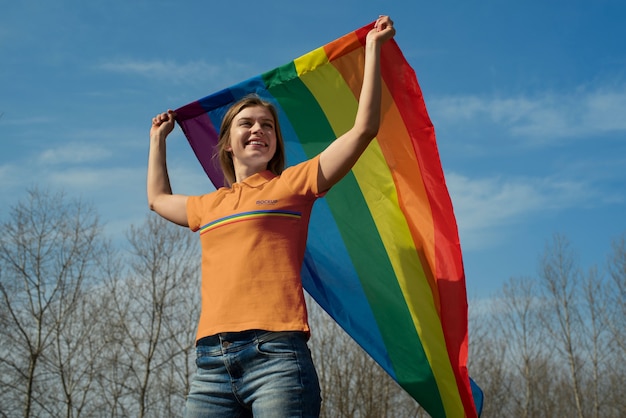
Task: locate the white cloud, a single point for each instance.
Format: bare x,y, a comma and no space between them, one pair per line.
169,70
484,205
542,118
75,153
606,109
84,179
117,193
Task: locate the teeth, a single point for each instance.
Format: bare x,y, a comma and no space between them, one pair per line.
256,143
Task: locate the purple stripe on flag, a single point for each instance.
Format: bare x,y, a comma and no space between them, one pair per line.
203,139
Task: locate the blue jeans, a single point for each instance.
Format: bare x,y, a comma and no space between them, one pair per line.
254,373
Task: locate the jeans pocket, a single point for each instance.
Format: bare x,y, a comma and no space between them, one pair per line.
284,344
208,357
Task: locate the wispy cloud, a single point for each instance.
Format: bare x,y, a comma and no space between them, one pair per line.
169,70
541,118
76,153
484,205
118,192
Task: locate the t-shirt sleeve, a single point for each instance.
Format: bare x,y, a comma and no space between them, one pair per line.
302,178
194,204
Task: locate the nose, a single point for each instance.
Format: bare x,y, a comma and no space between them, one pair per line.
257,128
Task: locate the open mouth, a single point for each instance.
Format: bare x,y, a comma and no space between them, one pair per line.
256,143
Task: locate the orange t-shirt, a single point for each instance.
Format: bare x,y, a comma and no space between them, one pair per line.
253,238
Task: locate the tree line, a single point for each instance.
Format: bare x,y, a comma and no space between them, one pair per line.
554,345
89,328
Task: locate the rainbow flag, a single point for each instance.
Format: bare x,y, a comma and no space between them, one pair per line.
383,256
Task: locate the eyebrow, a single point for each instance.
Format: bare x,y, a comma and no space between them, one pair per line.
248,118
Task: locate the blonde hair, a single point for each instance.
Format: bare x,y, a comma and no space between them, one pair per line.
276,165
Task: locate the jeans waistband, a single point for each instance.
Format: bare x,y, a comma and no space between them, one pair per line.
217,340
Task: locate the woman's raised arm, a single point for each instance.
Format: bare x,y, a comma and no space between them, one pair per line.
160,198
341,155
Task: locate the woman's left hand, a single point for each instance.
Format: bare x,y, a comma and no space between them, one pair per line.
383,30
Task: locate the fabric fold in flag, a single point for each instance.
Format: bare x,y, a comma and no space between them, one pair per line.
383,255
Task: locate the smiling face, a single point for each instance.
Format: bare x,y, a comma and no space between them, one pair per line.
225,152
252,140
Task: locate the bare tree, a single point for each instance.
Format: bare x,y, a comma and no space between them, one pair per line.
560,277
615,322
74,359
596,295
47,252
486,360
352,383
616,319
568,363
89,331
518,322
154,313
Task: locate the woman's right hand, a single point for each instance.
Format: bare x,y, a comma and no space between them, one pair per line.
163,123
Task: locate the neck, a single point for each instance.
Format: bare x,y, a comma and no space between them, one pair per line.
243,172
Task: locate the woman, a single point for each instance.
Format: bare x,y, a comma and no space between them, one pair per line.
252,353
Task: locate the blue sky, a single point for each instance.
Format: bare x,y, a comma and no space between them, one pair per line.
528,100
